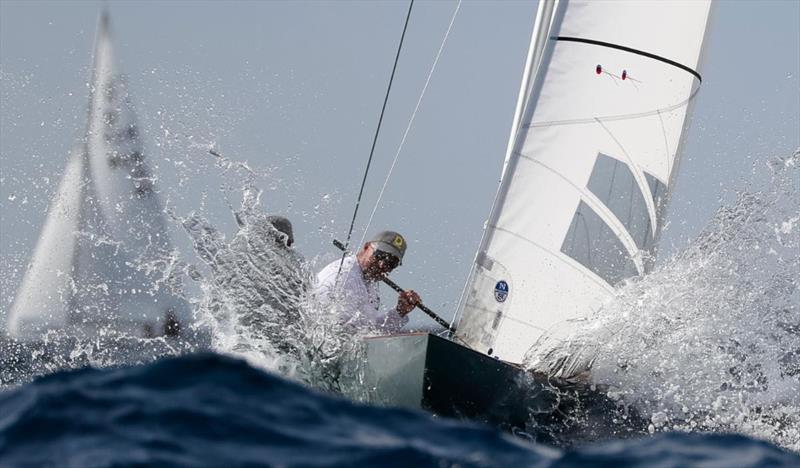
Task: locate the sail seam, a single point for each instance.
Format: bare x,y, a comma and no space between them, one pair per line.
606,215
611,118
631,50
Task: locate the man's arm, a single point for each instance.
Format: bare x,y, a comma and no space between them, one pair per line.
393,321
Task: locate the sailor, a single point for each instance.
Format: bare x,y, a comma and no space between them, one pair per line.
271,279
353,292
285,235
282,232
258,279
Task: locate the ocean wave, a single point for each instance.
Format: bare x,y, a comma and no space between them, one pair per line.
212,410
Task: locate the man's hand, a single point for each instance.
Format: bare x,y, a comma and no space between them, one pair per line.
406,302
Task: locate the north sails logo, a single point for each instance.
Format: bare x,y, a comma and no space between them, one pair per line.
501,291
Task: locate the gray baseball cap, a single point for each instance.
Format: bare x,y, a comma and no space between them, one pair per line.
390,242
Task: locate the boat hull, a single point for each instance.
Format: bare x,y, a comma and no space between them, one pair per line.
428,372
424,371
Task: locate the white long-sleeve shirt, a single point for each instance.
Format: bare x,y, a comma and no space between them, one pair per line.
357,301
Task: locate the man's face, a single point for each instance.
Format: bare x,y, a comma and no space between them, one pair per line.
380,263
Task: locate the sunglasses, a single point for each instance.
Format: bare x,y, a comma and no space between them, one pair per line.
389,260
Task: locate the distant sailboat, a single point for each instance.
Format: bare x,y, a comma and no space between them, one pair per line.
102,261
591,160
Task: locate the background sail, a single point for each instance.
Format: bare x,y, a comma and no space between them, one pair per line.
125,193
103,260
43,298
581,203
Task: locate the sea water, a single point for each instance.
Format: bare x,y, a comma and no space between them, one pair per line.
706,348
211,410
709,341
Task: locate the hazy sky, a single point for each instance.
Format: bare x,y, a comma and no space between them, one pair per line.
295,89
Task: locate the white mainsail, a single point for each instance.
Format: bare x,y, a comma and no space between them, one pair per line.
102,259
588,170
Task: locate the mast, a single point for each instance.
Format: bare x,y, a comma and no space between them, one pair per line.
581,201
479,325
541,29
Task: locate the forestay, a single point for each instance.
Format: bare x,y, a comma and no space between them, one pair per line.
589,168
102,259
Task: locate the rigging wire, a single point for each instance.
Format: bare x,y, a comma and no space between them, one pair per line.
375,140
410,122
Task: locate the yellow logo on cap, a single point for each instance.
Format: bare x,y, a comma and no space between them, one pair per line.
398,242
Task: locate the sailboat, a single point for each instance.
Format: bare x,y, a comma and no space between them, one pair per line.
590,165
102,262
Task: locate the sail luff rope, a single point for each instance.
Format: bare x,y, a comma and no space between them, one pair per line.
374,141
410,123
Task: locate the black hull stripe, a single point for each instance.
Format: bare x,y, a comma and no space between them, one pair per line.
633,51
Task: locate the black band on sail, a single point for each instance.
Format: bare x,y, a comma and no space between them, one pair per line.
633,51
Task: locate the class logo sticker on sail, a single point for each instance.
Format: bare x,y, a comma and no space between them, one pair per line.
501,291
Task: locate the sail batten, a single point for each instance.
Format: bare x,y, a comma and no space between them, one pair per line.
588,173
